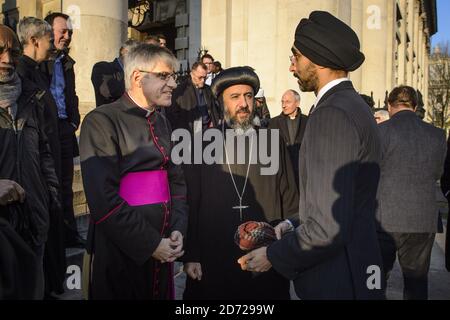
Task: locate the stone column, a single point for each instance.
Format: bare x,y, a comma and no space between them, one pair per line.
100,27
195,29
357,22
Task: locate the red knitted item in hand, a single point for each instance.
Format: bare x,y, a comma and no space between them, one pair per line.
252,235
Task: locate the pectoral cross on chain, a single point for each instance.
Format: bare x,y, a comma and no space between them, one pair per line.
240,207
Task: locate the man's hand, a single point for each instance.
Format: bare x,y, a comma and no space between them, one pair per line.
165,251
177,239
10,192
282,228
177,244
193,270
55,203
255,261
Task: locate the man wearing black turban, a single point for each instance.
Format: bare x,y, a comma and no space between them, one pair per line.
333,253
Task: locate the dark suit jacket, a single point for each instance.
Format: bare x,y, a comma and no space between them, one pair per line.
183,111
445,187
108,81
335,243
280,123
73,114
413,160
29,69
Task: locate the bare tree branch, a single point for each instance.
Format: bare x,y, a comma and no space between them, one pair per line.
439,86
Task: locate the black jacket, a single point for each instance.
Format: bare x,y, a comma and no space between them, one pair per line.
183,111
280,123
108,81
331,251
73,113
445,186
25,158
18,265
28,69
55,255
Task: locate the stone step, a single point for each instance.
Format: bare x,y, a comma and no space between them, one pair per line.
79,196
81,210
77,179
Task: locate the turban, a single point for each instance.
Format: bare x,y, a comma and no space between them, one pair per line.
328,42
252,235
233,76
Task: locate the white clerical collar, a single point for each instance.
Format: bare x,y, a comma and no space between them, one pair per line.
327,88
135,102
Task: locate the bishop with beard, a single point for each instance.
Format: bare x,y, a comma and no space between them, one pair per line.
224,195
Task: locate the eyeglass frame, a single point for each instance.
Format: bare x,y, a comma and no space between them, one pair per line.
164,76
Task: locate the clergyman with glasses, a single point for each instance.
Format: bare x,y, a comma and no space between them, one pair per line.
136,195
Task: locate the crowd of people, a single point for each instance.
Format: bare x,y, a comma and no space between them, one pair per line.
352,190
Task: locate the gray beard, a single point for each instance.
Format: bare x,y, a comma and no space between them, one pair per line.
7,77
242,127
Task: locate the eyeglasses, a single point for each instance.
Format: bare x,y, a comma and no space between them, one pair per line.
15,52
164,76
293,59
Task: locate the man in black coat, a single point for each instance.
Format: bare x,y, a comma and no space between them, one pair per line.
333,252
61,79
193,106
108,77
413,154
445,187
17,261
24,154
36,37
292,124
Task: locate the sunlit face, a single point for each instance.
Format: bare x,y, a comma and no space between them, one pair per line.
238,104
156,89
209,64
198,77
62,31
305,71
44,47
288,103
9,53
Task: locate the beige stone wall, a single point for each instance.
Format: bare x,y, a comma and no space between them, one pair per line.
100,27
260,33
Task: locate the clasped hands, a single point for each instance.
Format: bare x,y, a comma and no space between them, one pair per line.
169,249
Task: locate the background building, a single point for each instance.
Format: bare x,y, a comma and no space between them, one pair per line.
439,87
395,36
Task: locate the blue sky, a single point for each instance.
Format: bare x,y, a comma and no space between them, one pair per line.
443,34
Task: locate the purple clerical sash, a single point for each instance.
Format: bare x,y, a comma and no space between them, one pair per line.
145,187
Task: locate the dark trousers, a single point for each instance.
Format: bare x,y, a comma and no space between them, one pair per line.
66,132
39,290
414,255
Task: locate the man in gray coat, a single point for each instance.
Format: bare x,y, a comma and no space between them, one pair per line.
407,214
333,252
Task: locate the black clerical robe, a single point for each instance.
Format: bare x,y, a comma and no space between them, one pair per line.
213,223
118,139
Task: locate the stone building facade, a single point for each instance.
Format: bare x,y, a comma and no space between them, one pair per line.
395,36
